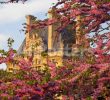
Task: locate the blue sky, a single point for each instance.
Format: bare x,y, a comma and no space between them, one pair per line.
12,16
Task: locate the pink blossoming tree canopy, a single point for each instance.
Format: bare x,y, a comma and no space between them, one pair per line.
89,10
85,79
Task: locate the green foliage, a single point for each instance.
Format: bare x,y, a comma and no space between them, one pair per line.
6,76
89,98
31,82
3,53
20,75
10,42
86,74
102,1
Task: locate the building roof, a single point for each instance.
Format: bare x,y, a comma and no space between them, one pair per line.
20,50
67,36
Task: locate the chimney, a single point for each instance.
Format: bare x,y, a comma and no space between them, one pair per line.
50,31
52,28
28,22
78,30
80,37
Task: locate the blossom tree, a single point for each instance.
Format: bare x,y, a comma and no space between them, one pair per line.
85,79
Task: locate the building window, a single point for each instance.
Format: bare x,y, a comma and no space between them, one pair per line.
10,69
53,60
39,61
36,61
69,51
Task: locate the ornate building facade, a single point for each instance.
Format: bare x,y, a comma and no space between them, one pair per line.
47,44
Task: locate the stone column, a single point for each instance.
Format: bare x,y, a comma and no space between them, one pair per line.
50,31
28,22
78,30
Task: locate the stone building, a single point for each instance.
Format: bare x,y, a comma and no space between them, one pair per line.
47,44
